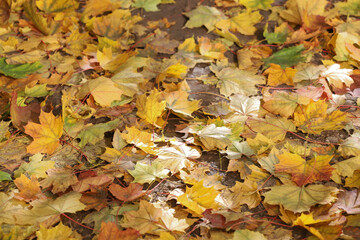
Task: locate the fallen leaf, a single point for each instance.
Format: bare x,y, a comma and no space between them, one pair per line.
145,173
278,76
198,198
145,219
130,193
300,199
302,171
46,135
60,232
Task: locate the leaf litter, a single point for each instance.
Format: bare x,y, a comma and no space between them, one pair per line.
164,119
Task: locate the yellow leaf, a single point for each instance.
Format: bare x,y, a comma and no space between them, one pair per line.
103,89
260,143
242,23
29,188
283,103
314,119
140,139
179,103
60,232
53,6
46,135
307,219
198,198
256,4
150,107
177,70
278,76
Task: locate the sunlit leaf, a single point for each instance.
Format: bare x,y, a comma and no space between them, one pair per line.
300,199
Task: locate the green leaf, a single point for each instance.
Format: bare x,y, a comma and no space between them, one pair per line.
18,70
287,57
278,36
300,199
147,5
4,176
39,90
95,133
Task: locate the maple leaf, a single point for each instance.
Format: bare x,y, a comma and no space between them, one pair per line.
337,76
145,219
140,139
350,146
279,35
60,232
35,167
147,5
245,105
240,194
145,173
150,107
242,22
314,118
278,76
176,157
49,209
271,127
85,184
59,179
302,171
46,135
179,103
307,219
94,133
198,198
300,199
29,188
234,80
54,6
283,103
130,193
212,136
204,15
210,49
349,201
109,230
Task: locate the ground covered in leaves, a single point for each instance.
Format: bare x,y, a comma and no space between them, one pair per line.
164,119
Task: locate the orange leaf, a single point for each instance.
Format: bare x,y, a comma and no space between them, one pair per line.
46,134
278,76
29,188
110,231
132,192
302,171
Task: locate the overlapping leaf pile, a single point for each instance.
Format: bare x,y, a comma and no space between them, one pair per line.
103,135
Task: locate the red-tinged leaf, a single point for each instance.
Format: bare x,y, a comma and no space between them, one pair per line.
109,231
96,199
20,116
302,171
127,194
216,220
85,184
